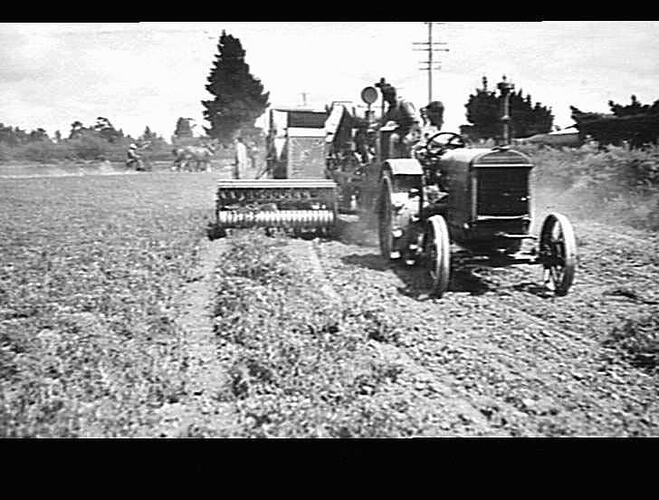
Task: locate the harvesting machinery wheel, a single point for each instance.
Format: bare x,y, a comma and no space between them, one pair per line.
558,253
438,251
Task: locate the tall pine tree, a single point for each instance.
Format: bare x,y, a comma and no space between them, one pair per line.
239,98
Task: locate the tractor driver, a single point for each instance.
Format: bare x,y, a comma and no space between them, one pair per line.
403,115
433,115
433,120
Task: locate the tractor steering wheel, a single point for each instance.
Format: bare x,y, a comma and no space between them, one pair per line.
455,141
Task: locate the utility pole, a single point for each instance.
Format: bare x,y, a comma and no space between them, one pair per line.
430,47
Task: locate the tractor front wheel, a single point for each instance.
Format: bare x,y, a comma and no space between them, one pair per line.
558,253
438,251
385,219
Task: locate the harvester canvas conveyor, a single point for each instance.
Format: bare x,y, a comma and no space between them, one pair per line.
304,204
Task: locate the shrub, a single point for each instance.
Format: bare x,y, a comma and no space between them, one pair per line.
6,153
88,146
42,151
608,171
611,183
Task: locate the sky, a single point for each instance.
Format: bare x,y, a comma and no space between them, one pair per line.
150,74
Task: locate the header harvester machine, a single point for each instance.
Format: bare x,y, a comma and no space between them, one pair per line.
476,199
296,195
316,168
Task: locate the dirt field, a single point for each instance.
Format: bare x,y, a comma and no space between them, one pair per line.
497,356
512,360
304,338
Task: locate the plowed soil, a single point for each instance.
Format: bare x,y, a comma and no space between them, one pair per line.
499,355
529,363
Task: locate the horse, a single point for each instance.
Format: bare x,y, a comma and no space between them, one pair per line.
199,155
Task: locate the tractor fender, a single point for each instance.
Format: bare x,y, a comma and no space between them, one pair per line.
403,166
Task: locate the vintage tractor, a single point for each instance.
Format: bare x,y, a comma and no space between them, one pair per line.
476,199
295,195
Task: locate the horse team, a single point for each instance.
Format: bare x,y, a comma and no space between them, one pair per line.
186,158
193,158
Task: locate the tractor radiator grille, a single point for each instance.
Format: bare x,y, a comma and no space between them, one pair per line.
502,191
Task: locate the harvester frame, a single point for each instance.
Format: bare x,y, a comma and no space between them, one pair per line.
296,195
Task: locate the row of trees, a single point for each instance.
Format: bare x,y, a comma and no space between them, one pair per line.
14,136
635,124
100,140
238,99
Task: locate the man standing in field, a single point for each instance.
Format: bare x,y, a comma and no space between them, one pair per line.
133,156
253,155
241,160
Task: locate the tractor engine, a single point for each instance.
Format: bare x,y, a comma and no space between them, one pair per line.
483,194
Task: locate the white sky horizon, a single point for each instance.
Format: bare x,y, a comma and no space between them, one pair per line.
150,74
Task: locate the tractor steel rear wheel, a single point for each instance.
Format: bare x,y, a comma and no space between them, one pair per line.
438,252
385,219
558,253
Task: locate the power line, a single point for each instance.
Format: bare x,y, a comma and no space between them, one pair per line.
430,47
